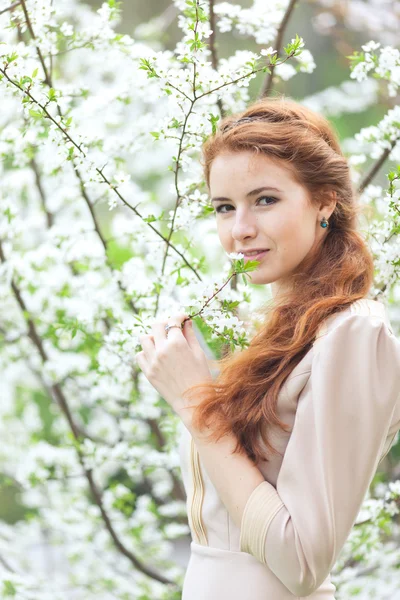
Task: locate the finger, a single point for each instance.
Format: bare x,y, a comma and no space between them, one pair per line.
190,335
147,342
159,334
141,361
176,332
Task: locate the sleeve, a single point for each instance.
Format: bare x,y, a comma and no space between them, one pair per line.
341,424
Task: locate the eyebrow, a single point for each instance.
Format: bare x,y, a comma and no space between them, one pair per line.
252,193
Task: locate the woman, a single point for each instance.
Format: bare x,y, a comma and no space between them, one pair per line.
279,450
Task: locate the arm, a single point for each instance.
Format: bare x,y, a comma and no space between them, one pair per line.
342,421
234,476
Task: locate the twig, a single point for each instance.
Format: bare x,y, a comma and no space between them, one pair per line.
179,493
6,565
58,393
99,171
183,133
368,177
214,58
10,8
38,50
38,181
267,84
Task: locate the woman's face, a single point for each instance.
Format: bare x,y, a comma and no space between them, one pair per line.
281,219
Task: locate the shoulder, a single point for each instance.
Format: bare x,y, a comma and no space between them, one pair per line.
370,308
363,315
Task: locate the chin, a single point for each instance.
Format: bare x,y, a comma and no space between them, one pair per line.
259,278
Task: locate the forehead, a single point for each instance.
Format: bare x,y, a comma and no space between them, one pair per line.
241,168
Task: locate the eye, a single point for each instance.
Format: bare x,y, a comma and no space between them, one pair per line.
221,206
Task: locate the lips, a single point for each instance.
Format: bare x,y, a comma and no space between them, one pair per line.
258,256
253,251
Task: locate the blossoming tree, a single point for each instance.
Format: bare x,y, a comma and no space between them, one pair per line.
105,226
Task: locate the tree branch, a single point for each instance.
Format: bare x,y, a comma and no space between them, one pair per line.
3,560
178,492
58,393
214,58
368,177
193,101
10,8
47,78
267,84
99,171
38,181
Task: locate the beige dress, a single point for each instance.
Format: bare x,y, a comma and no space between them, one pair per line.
343,399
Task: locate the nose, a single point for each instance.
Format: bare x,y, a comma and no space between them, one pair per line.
244,226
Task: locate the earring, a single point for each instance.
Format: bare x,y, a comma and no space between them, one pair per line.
324,222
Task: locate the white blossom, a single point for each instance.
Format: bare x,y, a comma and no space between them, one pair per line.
94,168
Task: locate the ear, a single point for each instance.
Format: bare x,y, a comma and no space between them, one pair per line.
330,203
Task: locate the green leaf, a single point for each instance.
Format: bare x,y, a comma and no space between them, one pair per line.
8,588
149,219
175,123
179,279
11,57
35,113
214,120
52,95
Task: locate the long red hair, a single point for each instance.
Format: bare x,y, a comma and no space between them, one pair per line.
242,398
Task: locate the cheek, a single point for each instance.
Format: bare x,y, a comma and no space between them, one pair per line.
294,234
280,228
223,232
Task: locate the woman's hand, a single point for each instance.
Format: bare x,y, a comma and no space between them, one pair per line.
173,364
